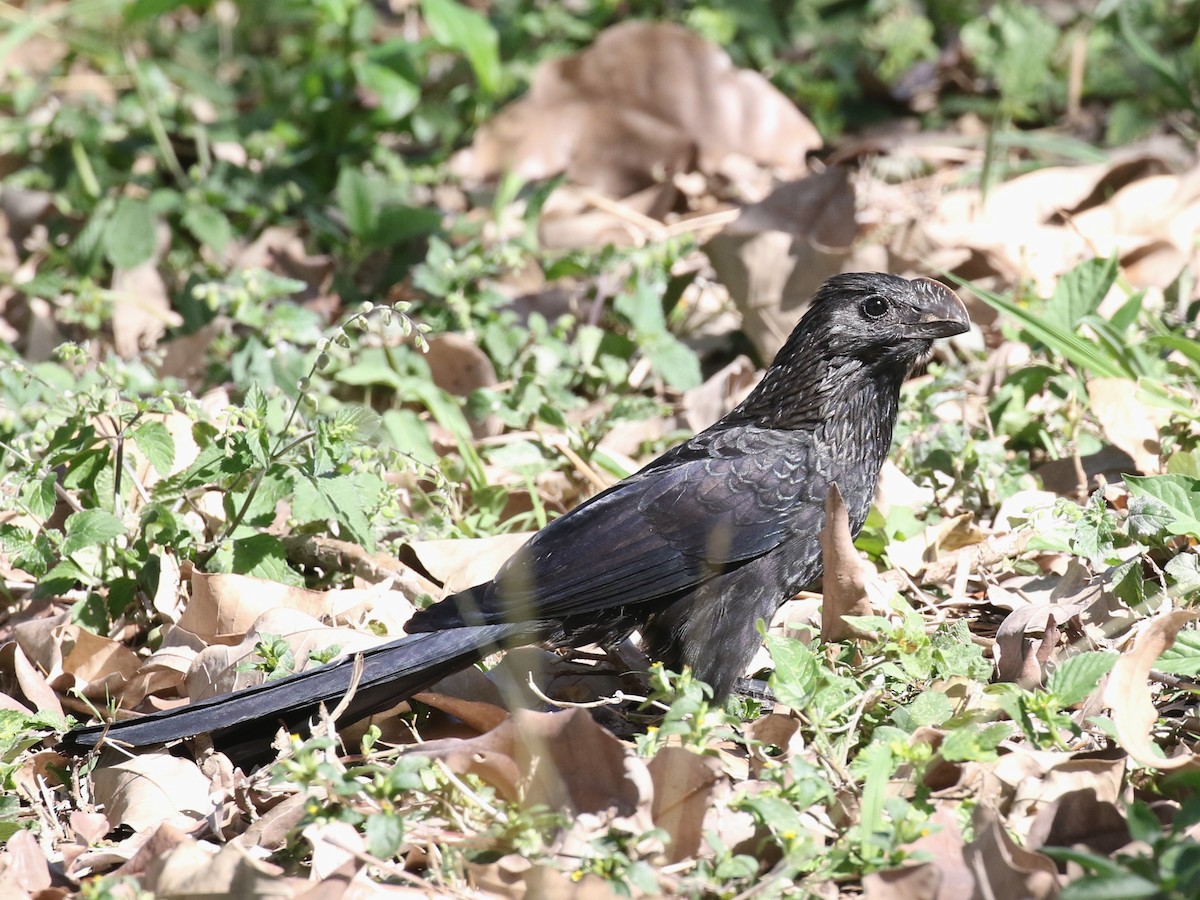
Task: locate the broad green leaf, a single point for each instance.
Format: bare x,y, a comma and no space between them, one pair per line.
385,832
930,708
396,94
129,239
1078,676
460,28
1179,494
259,555
90,528
358,202
38,496
155,441
676,362
209,226
797,673
1079,292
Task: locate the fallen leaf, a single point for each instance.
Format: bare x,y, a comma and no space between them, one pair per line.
149,789
1128,691
1128,421
844,584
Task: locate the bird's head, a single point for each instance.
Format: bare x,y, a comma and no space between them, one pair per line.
882,319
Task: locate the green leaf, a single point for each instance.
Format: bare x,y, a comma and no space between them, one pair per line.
129,239
155,441
1179,494
397,95
797,673
1078,676
1079,292
1121,886
1081,352
357,202
259,555
385,833
209,226
459,28
676,362
90,528
38,497
930,708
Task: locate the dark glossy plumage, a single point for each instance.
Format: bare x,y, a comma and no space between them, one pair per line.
692,550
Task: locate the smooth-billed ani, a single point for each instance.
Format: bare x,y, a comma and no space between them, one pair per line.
692,550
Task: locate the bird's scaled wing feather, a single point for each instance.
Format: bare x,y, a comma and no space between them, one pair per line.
667,529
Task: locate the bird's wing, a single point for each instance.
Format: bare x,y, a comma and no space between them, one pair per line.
720,500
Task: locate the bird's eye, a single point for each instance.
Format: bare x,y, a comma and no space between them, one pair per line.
874,307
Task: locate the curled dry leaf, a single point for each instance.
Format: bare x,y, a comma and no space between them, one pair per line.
844,583
224,607
23,864
1002,868
460,564
1128,691
33,684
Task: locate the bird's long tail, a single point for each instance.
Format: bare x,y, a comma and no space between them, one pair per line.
243,723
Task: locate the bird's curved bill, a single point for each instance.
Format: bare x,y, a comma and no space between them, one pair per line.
940,313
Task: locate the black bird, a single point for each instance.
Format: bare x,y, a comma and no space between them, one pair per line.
692,550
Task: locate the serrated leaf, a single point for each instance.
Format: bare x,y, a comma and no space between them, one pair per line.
676,362
1179,494
1079,292
796,674
1078,676
129,239
90,528
39,497
155,441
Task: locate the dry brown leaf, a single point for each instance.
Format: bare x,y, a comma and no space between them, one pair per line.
774,730
1128,421
1080,819
194,869
461,564
33,684
844,583
1002,868
683,785
98,666
224,607
915,553
459,367
147,790
1128,691
23,863
563,760
141,311
720,393
771,261
644,98
922,881
217,669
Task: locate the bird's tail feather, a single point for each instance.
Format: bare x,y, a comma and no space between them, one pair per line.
242,723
